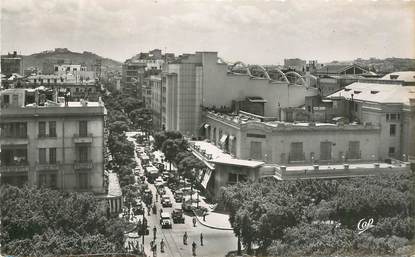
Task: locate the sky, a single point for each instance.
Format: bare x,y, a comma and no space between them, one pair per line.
252,31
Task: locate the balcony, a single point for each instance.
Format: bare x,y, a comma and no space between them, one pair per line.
87,138
14,168
83,165
47,166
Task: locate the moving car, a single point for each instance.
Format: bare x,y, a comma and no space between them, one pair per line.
165,220
177,216
166,202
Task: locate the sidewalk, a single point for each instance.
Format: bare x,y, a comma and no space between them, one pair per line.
215,220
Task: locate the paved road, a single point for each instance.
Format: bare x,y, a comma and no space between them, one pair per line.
216,242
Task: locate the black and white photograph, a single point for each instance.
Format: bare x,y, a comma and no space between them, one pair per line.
208,128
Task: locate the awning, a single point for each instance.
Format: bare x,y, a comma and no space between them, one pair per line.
206,178
223,138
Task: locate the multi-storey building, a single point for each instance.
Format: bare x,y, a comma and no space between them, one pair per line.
202,79
133,78
388,103
80,87
55,144
11,63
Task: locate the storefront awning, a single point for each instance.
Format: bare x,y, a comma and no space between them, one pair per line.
223,138
206,178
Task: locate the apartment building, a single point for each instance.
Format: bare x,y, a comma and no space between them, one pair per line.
53,144
133,78
11,63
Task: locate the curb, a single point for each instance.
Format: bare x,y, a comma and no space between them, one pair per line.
209,226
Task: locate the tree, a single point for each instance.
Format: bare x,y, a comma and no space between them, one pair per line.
170,150
39,222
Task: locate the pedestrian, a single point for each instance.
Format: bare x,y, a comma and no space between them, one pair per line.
204,216
201,239
162,246
185,238
154,232
194,248
194,221
148,210
151,244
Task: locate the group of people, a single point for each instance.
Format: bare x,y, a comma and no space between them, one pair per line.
194,245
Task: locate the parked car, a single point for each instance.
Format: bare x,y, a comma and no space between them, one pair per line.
166,202
178,216
165,220
161,190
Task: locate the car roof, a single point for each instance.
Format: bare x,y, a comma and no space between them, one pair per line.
165,214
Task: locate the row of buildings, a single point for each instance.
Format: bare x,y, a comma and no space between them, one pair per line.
52,133
247,121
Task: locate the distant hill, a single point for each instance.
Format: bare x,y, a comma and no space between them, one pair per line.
63,55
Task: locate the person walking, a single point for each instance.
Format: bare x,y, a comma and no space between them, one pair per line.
154,232
185,238
201,239
162,246
194,248
194,221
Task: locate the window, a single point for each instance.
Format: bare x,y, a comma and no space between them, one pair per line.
233,178
83,180
83,128
42,129
52,128
83,154
256,150
52,155
325,151
391,151
392,130
42,155
296,153
43,180
354,150
393,116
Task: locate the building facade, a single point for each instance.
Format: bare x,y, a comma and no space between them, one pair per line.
133,78
387,103
202,80
57,145
11,63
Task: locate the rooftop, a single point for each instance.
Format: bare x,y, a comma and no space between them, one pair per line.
214,154
114,188
242,119
407,76
378,92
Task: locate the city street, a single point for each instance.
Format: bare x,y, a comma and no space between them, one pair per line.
215,242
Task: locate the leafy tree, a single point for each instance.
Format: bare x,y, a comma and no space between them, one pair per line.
39,222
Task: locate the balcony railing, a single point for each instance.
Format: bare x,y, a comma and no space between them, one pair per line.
87,138
47,166
83,165
14,168
292,158
46,136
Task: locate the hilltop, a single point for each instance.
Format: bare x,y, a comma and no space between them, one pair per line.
63,55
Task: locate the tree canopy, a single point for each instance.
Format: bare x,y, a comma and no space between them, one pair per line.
39,222
320,217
